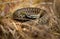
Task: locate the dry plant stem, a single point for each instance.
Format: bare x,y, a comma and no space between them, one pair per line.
10,2
56,19
4,31
20,31
15,25
54,6
32,27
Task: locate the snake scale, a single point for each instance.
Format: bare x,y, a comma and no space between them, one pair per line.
30,13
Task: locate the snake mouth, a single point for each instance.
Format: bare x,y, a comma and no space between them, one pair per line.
26,14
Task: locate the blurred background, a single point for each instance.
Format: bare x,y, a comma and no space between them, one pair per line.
11,29
9,6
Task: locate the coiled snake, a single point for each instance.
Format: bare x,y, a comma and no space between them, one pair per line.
29,13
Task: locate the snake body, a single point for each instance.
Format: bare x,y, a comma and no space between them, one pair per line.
28,13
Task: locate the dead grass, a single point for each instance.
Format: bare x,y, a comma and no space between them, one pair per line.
12,29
